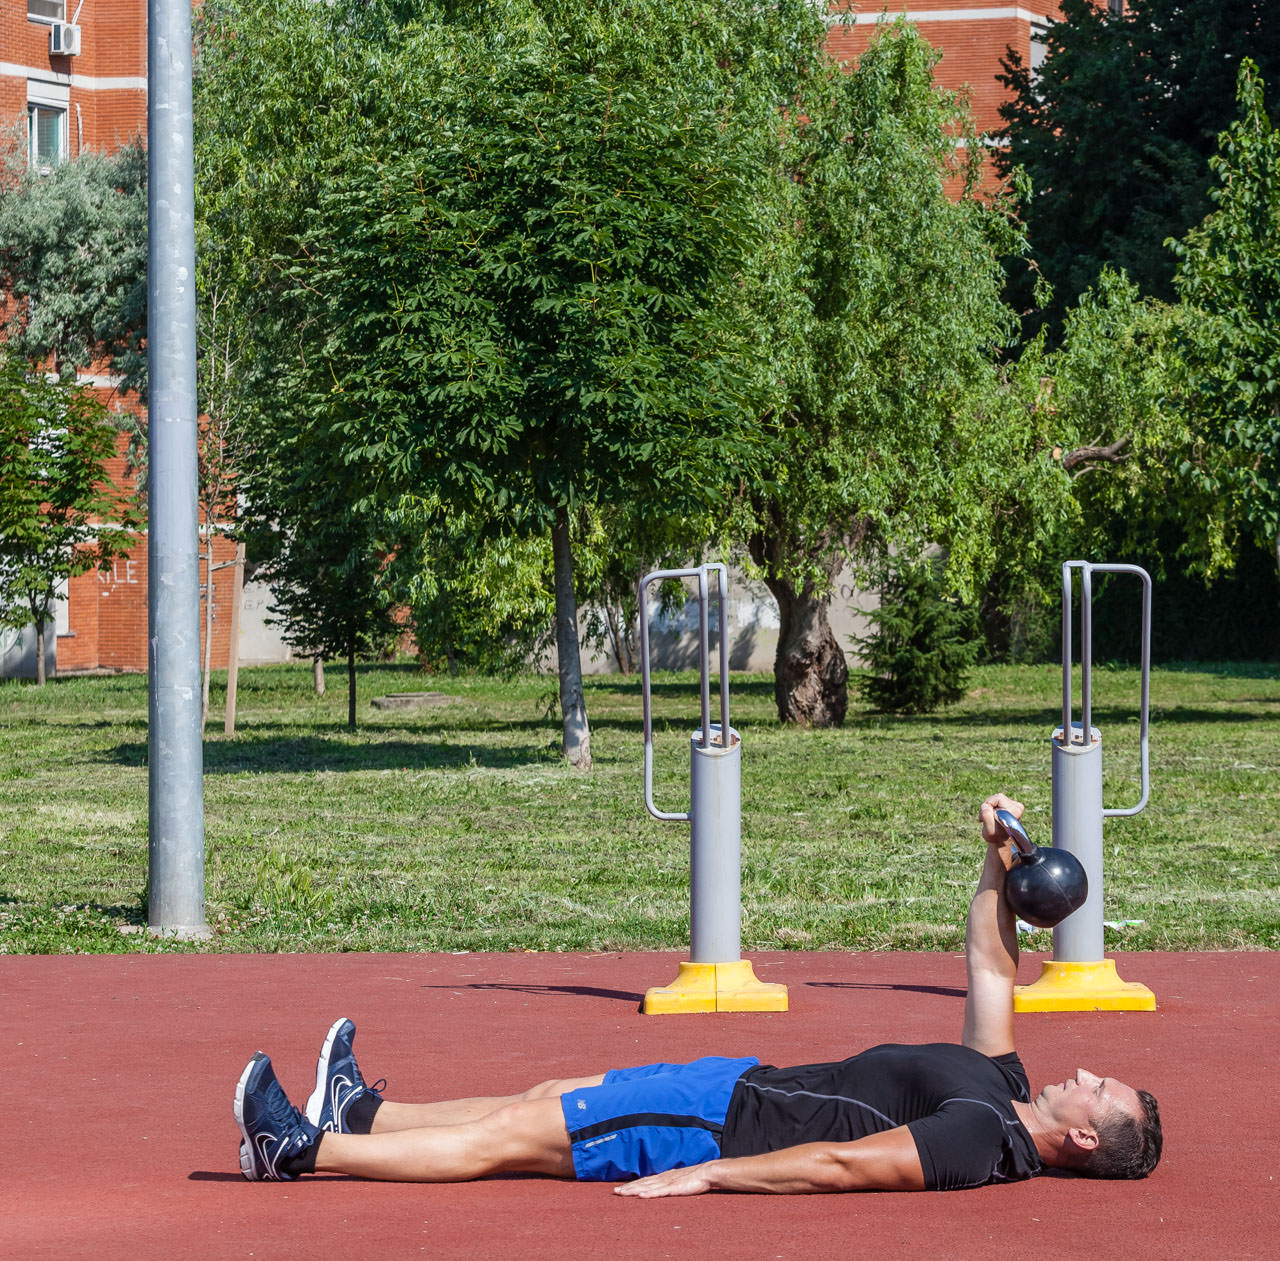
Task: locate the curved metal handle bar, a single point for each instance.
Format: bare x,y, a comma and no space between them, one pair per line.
700,573
1087,570
1014,830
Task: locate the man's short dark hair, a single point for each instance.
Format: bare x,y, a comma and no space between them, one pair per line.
1128,1146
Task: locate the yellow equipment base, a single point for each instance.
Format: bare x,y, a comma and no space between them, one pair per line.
715,987
1082,987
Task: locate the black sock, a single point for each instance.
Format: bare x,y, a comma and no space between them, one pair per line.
303,1161
359,1118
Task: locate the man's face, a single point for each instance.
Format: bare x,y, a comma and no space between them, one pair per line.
1082,1101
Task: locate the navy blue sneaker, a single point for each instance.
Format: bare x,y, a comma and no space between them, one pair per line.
338,1081
274,1131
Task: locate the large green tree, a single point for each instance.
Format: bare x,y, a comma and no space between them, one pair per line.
1083,452
1115,130
1152,431
514,279
880,308
1229,281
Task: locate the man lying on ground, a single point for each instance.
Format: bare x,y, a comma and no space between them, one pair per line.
894,1118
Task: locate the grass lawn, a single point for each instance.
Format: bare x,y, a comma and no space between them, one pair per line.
458,828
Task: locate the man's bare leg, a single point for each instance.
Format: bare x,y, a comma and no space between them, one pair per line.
523,1136
392,1117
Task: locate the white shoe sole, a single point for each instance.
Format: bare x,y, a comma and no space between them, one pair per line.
246,1147
315,1104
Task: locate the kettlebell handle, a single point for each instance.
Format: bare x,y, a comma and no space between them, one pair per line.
1011,826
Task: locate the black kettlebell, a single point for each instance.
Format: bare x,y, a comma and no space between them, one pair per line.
1044,885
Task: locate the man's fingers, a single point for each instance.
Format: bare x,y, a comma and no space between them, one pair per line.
999,801
987,814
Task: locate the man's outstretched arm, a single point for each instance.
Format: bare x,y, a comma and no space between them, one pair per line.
991,941
880,1162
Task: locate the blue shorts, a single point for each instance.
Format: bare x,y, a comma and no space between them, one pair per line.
648,1119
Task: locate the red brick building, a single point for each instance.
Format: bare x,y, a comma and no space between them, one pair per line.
93,95
972,36
73,72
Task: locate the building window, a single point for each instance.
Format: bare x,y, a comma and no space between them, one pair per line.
46,136
1039,34
61,610
1116,7
47,10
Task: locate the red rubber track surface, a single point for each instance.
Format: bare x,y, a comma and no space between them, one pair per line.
119,1074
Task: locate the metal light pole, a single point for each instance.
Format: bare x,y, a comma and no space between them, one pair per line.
175,851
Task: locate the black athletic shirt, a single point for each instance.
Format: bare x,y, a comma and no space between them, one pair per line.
956,1102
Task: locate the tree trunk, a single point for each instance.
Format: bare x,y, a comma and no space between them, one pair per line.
810,674
317,675
615,616
351,687
40,666
577,735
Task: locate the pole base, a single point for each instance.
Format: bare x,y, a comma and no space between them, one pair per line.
1082,987
181,932
715,987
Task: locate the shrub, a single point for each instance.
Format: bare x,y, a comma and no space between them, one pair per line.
923,644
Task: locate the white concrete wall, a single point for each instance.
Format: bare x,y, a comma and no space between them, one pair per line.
18,652
753,629
752,621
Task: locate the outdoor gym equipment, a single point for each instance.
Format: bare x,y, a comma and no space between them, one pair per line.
1044,885
1078,978
715,977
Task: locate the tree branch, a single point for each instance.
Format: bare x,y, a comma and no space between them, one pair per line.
1086,458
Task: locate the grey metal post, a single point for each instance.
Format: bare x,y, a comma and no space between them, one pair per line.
715,848
715,814
176,817
1077,764
1077,828
715,785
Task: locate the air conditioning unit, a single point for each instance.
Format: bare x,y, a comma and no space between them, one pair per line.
64,40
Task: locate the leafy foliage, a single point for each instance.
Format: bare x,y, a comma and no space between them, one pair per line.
73,258
880,304
59,516
532,263
1082,458
515,240
328,564
478,598
1161,417
1115,129
923,645
1229,279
